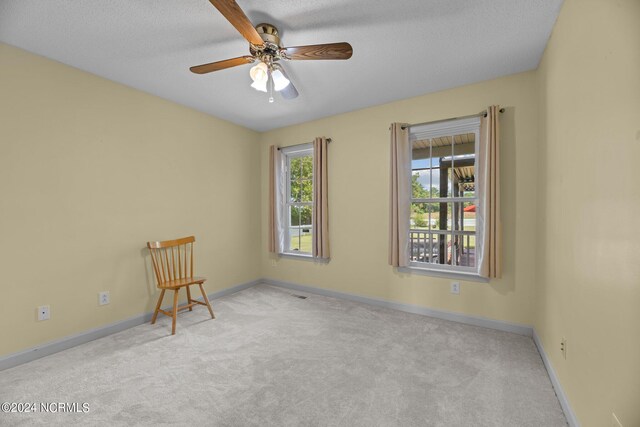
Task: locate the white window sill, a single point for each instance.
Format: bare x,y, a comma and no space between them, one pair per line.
458,275
303,257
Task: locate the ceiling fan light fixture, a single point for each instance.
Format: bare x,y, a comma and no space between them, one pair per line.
260,85
279,80
259,73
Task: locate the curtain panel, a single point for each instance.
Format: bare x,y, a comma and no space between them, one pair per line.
320,211
490,253
276,227
272,200
399,196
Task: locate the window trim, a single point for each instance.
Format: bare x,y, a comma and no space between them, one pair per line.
293,152
448,128
433,272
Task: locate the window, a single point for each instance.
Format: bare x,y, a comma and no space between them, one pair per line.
443,229
298,161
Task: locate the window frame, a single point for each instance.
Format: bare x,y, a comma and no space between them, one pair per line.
289,153
447,128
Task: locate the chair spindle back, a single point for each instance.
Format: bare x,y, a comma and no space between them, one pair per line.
172,259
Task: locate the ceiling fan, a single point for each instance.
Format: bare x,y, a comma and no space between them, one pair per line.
268,75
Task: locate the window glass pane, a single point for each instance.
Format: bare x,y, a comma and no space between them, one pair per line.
432,215
468,251
435,177
294,228
468,187
305,239
300,229
465,175
294,216
294,168
295,191
462,159
441,245
449,250
418,162
306,190
423,246
453,216
419,215
469,216
425,173
441,217
307,167
295,240
305,216
420,184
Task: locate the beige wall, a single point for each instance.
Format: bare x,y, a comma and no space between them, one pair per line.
589,206
89,171
358,194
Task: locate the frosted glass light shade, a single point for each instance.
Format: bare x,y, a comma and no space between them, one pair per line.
259,72
279,80
260,85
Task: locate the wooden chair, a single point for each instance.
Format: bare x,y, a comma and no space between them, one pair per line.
173,266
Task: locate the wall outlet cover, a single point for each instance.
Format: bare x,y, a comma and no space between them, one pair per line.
104,298
455,287
44,313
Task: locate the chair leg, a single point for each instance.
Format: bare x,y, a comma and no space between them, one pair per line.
189,297
206,300
155,313
175,311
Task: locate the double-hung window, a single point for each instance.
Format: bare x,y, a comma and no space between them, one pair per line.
443,231
298,203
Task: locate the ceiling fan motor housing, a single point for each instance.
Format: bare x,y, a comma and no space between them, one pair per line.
269,33
271,38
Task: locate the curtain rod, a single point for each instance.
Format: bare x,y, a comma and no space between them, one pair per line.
482,113
304,143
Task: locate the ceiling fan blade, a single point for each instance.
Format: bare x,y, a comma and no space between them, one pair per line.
230,10
221,65
319,51
289,92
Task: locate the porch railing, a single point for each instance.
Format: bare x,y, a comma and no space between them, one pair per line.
452,247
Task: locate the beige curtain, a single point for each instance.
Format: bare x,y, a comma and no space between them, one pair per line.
490,254
273,205
320,212
399,196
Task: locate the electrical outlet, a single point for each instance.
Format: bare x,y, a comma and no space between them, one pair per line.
103,298
44,312
615,422
563,347
455,287
273,263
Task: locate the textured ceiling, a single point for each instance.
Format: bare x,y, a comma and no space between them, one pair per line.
401,48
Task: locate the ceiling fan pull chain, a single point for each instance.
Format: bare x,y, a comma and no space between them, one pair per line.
270,88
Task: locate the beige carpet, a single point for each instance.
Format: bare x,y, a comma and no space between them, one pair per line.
271,359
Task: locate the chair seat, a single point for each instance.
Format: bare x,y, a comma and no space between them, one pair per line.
178,283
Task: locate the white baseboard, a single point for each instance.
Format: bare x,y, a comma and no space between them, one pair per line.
564,402
484,322
52,347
